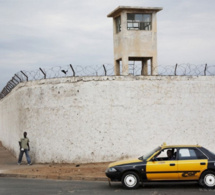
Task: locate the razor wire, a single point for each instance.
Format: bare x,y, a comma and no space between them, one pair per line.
135,69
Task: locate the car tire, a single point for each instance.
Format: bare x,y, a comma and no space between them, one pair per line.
207,179
130,180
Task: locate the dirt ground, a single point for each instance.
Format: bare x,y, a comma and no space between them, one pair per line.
67,171
91,171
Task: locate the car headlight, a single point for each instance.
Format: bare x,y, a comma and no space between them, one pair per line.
111,169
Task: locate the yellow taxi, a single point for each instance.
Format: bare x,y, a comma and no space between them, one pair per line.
166,163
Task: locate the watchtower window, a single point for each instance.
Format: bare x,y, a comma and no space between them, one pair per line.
139,21
118,24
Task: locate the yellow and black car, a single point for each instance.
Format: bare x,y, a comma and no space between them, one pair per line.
166,163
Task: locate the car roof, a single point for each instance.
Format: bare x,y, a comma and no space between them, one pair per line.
180,146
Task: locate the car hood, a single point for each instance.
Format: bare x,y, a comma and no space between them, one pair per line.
123,162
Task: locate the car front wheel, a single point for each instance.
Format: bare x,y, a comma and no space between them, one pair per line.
208,179
130,180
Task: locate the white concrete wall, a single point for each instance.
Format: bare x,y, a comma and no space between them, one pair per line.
93,119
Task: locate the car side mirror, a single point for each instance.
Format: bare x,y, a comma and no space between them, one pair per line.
153,159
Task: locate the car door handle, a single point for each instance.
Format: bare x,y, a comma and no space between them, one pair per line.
202,163
172,164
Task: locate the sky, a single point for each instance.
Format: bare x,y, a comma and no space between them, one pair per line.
48,33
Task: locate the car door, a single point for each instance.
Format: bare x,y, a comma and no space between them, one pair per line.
160,168
191,163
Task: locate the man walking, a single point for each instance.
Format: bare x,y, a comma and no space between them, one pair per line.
24,148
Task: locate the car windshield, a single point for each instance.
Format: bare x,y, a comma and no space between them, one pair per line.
146,156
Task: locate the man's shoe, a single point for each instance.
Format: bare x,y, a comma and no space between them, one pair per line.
18,163
30,164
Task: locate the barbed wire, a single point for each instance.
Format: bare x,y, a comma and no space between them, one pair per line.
135,69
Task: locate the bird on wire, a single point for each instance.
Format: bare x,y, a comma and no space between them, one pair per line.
65,72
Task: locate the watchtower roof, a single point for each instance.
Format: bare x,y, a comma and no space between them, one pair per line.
136,8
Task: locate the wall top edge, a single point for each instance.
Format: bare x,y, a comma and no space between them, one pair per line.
116,78
77,79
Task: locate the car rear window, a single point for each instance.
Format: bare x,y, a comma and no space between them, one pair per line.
208,151
187,154
190,154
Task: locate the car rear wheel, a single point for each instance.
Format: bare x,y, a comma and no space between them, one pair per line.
130,180
207,179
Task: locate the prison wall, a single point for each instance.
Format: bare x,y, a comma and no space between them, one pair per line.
97,119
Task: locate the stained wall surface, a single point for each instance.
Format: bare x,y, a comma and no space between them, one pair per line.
95,119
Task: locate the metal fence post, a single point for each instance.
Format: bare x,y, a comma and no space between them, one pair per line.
13,78
8,88
13,82
175,69
3,91
24,75
43,73
72,70
105,70
10,85
205,71
18,78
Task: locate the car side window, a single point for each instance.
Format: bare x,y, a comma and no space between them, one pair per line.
187,154
167,154
200,155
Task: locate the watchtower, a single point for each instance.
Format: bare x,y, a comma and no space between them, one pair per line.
135,38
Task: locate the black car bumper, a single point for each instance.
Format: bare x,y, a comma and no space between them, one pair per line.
114,176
